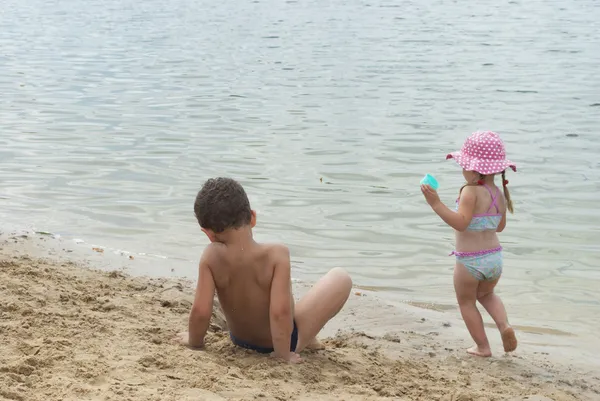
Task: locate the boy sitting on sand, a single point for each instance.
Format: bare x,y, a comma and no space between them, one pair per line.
253,282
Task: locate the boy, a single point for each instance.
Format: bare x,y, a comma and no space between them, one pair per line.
253,281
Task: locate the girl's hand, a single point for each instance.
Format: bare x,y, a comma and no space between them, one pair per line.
430,195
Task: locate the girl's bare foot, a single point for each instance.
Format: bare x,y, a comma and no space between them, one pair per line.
509,340
485,353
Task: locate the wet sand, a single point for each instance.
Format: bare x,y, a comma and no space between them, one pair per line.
71,332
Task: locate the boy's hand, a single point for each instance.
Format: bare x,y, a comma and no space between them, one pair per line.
430,195
292,357
183,338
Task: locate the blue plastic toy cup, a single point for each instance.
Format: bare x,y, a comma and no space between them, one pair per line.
431,181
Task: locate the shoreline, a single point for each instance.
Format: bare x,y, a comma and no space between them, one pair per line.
528,310
72,332
575,345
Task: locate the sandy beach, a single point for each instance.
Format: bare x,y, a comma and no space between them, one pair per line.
71,332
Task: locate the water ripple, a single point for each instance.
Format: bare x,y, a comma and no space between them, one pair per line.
114,112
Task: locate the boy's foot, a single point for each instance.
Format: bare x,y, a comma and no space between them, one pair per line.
509,340
484,353
315,345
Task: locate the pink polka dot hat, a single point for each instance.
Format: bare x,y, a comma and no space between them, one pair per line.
484,153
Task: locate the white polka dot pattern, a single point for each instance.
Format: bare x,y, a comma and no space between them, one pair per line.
484,153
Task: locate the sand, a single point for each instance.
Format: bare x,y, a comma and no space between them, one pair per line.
70,332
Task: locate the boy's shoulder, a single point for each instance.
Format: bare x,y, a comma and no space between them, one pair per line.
212,250
274,251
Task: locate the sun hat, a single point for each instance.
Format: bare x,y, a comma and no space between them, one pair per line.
484,153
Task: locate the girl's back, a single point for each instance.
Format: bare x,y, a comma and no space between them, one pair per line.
488,216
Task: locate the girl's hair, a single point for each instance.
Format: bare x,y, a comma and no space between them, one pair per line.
509,204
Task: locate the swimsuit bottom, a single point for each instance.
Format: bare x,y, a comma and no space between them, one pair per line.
483,265
265,350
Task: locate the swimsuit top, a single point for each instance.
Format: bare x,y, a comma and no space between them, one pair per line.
486,221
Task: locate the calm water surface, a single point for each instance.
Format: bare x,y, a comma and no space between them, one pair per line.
113,113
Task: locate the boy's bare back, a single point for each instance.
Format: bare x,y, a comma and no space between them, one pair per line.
253,281
243,278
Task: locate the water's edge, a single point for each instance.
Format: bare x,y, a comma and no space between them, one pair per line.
378,314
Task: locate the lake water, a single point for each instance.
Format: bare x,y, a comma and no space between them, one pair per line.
114,112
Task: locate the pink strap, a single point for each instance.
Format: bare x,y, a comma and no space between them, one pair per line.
494,198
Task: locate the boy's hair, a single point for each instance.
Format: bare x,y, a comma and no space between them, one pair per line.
221,204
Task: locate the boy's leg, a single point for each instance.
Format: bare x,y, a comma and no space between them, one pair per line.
465,286
494,306
322,302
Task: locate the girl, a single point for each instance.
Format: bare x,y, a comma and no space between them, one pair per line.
480,214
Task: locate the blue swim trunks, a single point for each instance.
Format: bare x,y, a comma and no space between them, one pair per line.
264,350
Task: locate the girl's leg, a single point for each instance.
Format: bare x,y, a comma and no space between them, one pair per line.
466,287
494,306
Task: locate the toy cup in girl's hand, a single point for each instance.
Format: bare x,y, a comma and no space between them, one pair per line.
431,181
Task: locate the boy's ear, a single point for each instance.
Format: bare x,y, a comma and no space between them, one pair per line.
210,234
253,218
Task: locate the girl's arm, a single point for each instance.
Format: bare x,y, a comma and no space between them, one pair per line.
502,224
459,220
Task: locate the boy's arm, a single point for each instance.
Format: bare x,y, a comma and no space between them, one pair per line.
280,312
203,304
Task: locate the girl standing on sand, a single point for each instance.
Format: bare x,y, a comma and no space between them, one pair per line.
480,214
